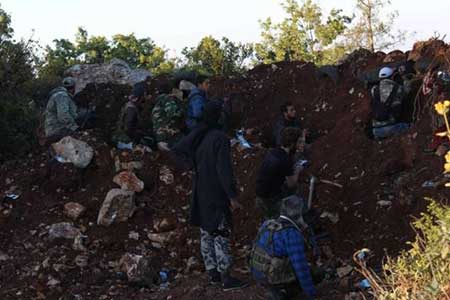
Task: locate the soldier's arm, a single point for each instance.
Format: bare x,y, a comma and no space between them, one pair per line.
63,112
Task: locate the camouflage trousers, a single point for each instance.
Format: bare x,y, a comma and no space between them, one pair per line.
215,248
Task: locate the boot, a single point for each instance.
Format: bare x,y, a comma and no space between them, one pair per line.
230,283
214,277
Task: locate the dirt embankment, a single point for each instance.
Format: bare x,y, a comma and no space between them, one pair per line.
382,187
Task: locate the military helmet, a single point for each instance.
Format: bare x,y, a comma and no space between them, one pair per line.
69,82
385,72
293,207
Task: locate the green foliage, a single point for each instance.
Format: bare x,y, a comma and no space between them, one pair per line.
423,272
17,118
373,29
216,57
303,35
138,53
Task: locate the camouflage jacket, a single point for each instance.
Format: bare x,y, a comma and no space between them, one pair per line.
60,113
168,118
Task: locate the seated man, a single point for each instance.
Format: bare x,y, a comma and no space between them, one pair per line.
288,118
197,101
278,259
61,112
127,126
168,115
278,177
387,100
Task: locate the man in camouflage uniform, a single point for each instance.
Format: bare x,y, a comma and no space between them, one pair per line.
61,112
168,115
387,98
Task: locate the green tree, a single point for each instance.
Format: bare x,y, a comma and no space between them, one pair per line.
138,53
17,118
305,34
373,29
215,57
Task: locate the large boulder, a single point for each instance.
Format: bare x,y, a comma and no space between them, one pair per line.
128,181
71,150
115,72
119,206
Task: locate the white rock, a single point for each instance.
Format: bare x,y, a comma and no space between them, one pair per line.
119,206
71,150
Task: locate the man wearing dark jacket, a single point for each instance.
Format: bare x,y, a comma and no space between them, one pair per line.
288,118
278,175
197,101
127,127
208,151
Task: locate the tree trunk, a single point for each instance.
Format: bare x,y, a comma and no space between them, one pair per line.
370,25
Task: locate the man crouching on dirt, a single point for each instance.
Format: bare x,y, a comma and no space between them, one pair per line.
61,112
278,174
214,193
278,259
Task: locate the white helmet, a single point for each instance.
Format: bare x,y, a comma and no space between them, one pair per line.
385,72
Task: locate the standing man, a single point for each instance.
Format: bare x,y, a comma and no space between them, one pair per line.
197,100
387,98
278,177
288,118
278,259
168,115
61,112
127,126
214,193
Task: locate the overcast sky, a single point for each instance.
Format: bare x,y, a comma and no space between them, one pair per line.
179,23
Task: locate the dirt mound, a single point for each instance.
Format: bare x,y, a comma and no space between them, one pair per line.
378,186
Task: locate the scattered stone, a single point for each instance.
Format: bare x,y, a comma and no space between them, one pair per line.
166,176
74,210
161,238
133,235
132,165
334,218
191,263
384,203
344,271
119,206
52,282
63,230
3,256
128,181
78,243
165,225
137,268
81,261
71,150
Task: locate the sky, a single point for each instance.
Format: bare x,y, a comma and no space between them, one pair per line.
176,24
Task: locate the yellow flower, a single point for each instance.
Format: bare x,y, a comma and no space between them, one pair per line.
441,107
442,134
447,157
447,168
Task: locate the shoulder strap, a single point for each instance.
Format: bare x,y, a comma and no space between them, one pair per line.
391,97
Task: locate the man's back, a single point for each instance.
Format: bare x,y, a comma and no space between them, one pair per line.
167,117
276,166
197,101
60,112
